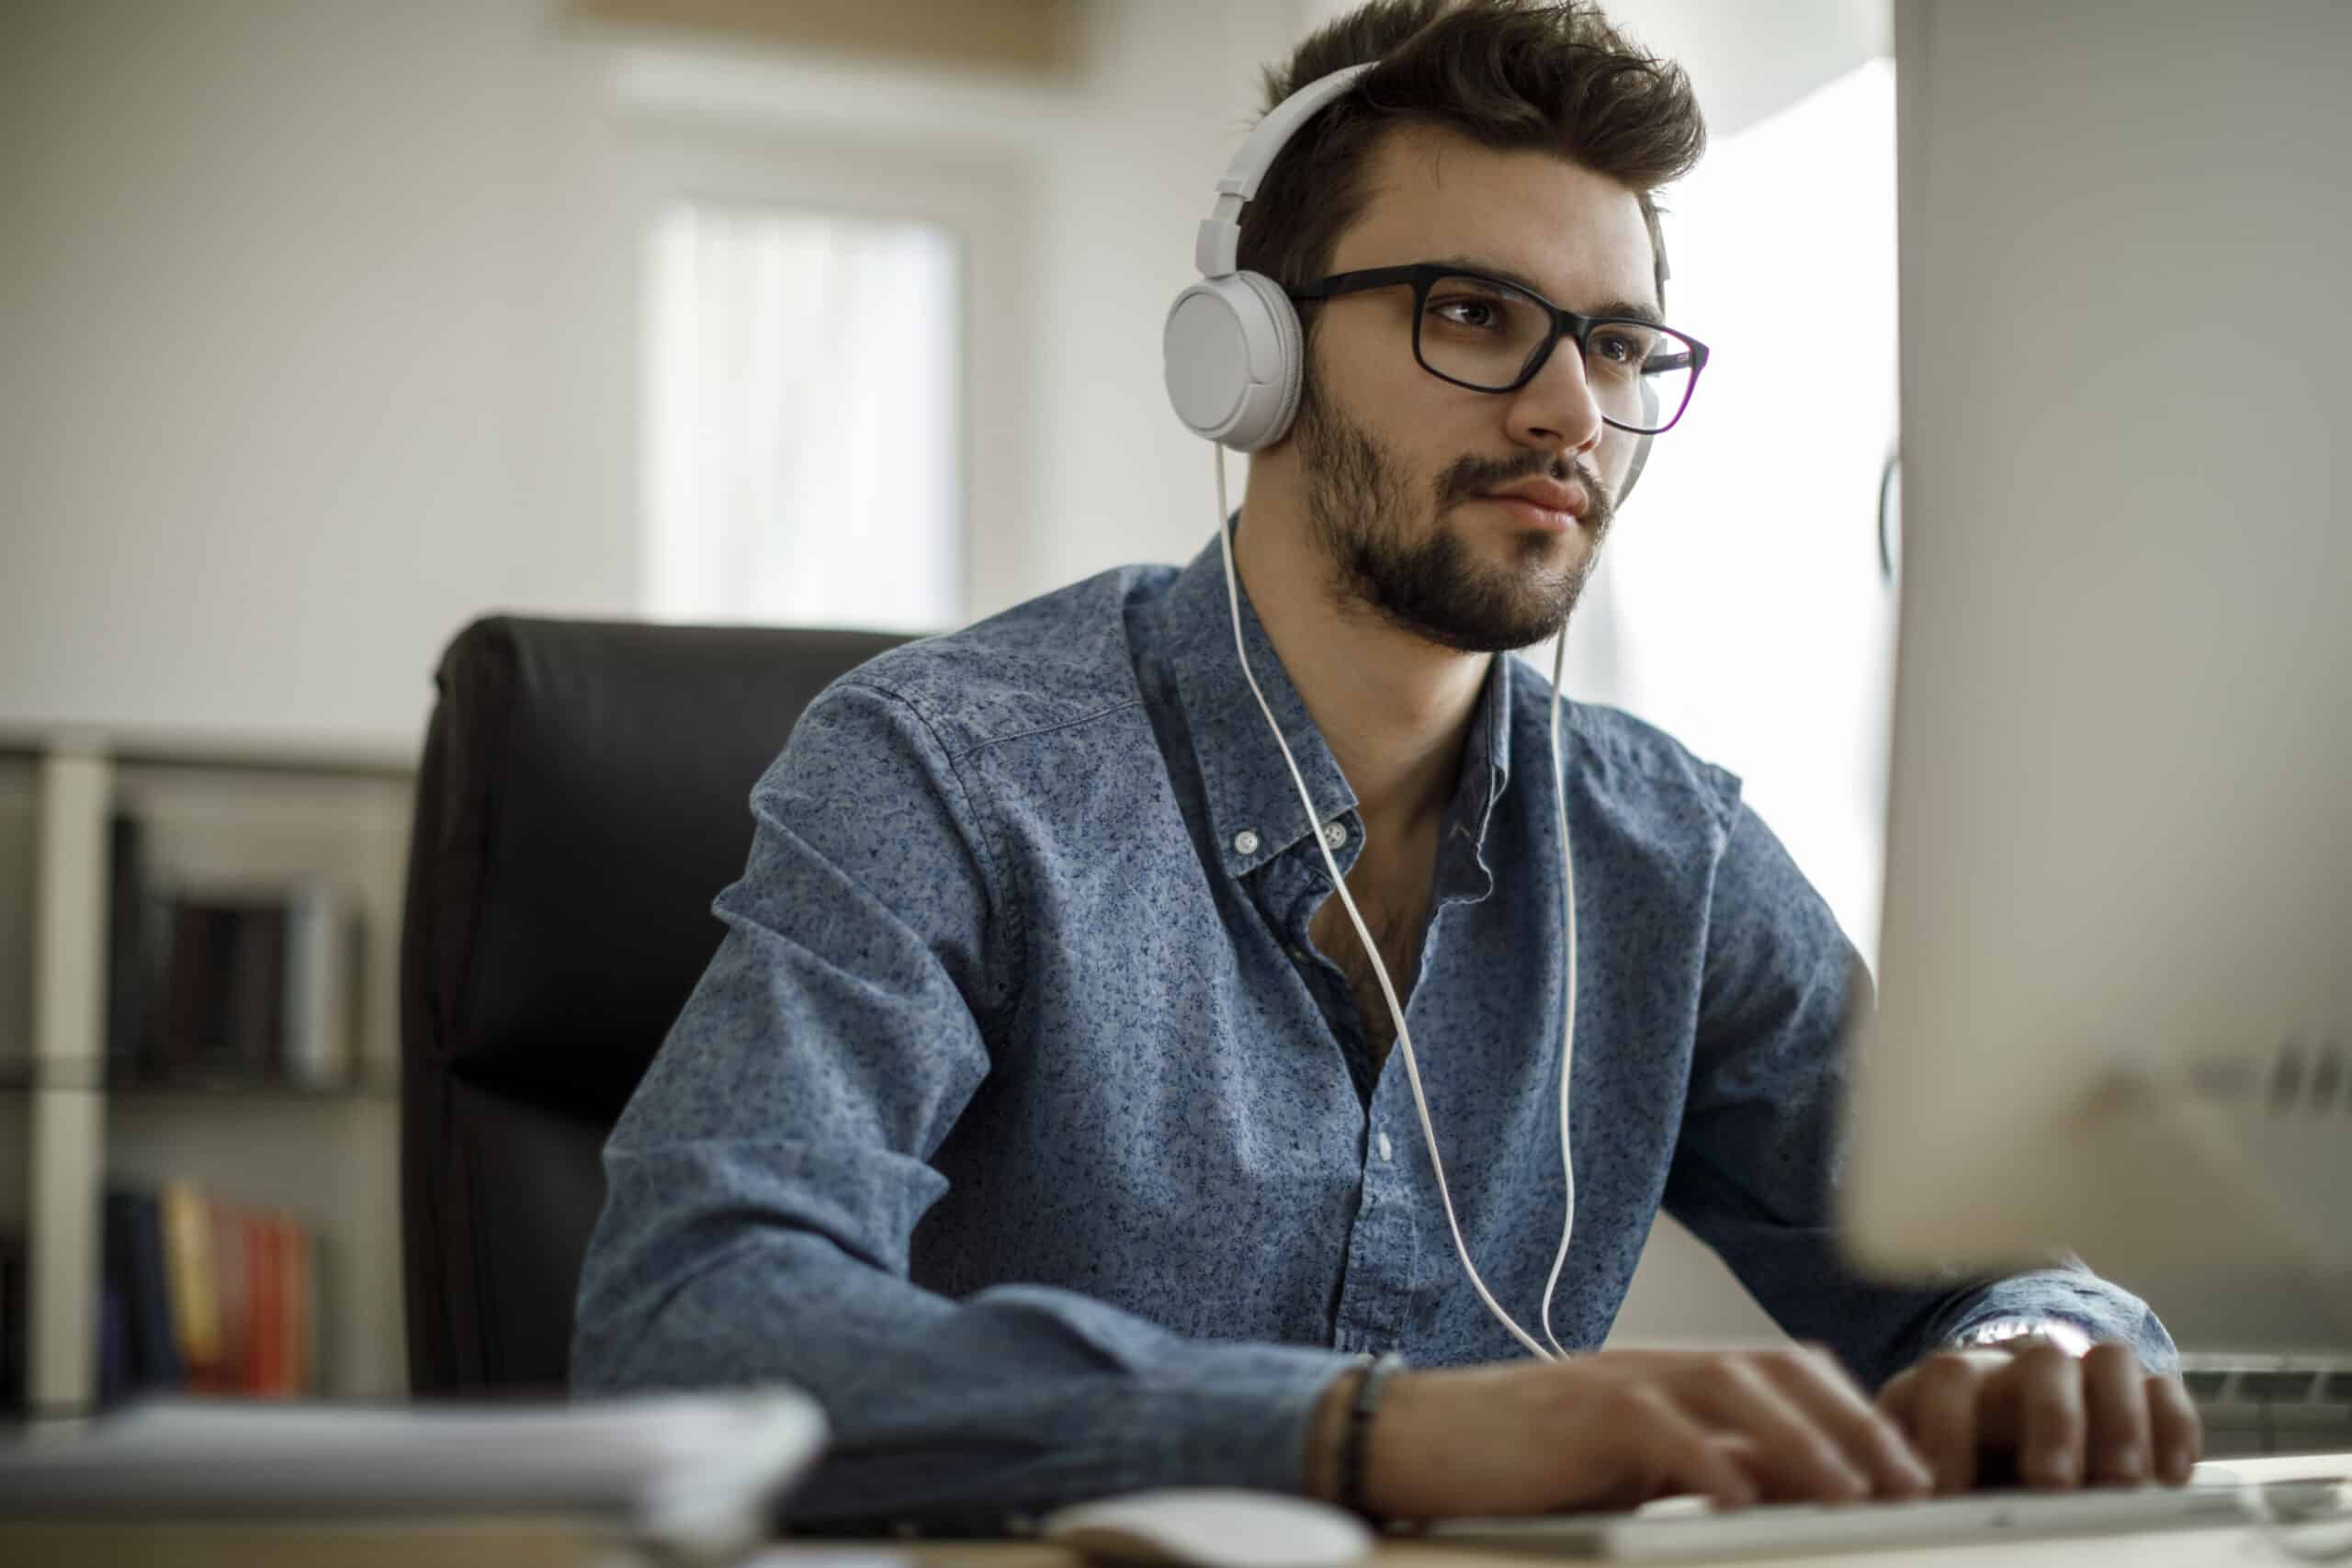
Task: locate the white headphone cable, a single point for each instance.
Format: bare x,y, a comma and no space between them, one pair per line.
1380,970
1568,1032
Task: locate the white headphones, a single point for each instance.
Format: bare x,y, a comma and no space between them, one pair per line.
1231,349
1234,360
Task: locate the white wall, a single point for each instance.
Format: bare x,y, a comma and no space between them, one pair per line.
313,339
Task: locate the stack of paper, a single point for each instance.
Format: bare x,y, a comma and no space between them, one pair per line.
698,1473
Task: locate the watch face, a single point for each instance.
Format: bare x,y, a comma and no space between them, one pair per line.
2008,1330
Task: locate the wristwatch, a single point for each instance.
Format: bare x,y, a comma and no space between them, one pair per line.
1999,1331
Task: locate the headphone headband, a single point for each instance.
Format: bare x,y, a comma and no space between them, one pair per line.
1217,246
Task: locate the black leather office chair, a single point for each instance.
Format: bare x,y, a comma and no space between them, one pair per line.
583,797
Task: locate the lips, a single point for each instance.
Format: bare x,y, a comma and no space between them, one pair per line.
1548,495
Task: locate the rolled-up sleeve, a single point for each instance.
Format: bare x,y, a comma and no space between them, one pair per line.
765,1181
1756,1165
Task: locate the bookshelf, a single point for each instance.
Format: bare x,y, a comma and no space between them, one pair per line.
321,1151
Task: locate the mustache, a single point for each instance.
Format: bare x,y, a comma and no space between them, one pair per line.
1472,476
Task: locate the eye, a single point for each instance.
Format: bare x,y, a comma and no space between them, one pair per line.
1616,347
1477,315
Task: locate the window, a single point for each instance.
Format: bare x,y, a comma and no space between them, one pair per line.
1743,609
800,418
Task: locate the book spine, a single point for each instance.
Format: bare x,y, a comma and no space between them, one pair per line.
231,1372
127,943
196,1294
318,1026
302,1310
154,1349
267,1264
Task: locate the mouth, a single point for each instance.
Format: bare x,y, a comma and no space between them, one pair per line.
1553,508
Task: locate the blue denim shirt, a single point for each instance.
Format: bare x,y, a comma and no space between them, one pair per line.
1019,1120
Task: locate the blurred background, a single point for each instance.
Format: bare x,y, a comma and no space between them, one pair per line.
327,326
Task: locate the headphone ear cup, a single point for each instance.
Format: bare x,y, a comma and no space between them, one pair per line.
1231,355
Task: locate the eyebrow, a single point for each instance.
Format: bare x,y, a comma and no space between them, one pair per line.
1622,310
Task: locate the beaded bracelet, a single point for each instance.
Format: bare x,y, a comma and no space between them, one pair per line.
1359,1435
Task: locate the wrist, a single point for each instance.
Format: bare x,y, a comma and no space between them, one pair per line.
1355,1448
1328,1434
1397,1481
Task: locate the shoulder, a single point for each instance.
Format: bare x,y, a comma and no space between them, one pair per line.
1050,663
1619,762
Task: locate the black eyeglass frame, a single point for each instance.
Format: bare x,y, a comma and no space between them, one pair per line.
1423,276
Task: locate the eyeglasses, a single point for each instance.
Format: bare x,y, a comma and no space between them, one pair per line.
1491,337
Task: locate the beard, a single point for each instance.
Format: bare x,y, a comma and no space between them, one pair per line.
1368,520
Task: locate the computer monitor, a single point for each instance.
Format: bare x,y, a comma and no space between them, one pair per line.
2115,1002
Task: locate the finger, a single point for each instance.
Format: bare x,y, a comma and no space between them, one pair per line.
1684,1455
2049,1394
1795,1458
2175,1432
1944,1423
1872,1442
2115,1415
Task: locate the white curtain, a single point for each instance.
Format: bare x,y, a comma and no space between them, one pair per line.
800,420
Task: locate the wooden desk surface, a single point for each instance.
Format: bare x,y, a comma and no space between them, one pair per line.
562,1544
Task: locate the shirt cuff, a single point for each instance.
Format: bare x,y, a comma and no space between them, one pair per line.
1247,1423
2072,1296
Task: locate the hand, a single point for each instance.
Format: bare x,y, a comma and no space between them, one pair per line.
2048,1420
1618,1428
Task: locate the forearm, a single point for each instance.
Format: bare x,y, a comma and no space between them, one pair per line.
955,1416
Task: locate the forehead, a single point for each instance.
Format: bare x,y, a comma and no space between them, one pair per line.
1432,194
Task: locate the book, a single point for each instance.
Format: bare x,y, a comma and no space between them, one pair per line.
236,983
321,963
231,1371
265,1265
257,986
195,1287
128,938
254,1022
135,1272
301,1309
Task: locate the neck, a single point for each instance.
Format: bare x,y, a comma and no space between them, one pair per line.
1394,708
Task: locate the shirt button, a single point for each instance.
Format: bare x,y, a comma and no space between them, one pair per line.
1245,842
1335,834
1386,1148
1297,955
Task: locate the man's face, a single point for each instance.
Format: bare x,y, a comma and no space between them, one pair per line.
1401,469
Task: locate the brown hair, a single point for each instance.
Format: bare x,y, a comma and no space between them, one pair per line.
1506,73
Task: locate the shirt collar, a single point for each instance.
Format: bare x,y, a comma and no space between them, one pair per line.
1248,789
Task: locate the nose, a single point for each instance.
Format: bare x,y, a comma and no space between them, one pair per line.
1556,412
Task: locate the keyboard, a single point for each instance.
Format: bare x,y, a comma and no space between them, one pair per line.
1684,1530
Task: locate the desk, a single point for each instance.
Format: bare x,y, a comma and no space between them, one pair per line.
560,1543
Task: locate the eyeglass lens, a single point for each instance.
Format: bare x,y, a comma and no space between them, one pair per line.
1484,334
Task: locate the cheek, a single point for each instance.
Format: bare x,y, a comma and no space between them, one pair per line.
1417,426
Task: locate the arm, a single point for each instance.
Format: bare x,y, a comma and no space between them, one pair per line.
765,1181
1757,1161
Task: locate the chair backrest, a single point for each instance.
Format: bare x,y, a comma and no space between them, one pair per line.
583,797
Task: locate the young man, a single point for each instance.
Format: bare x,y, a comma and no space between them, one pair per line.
1038,1112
